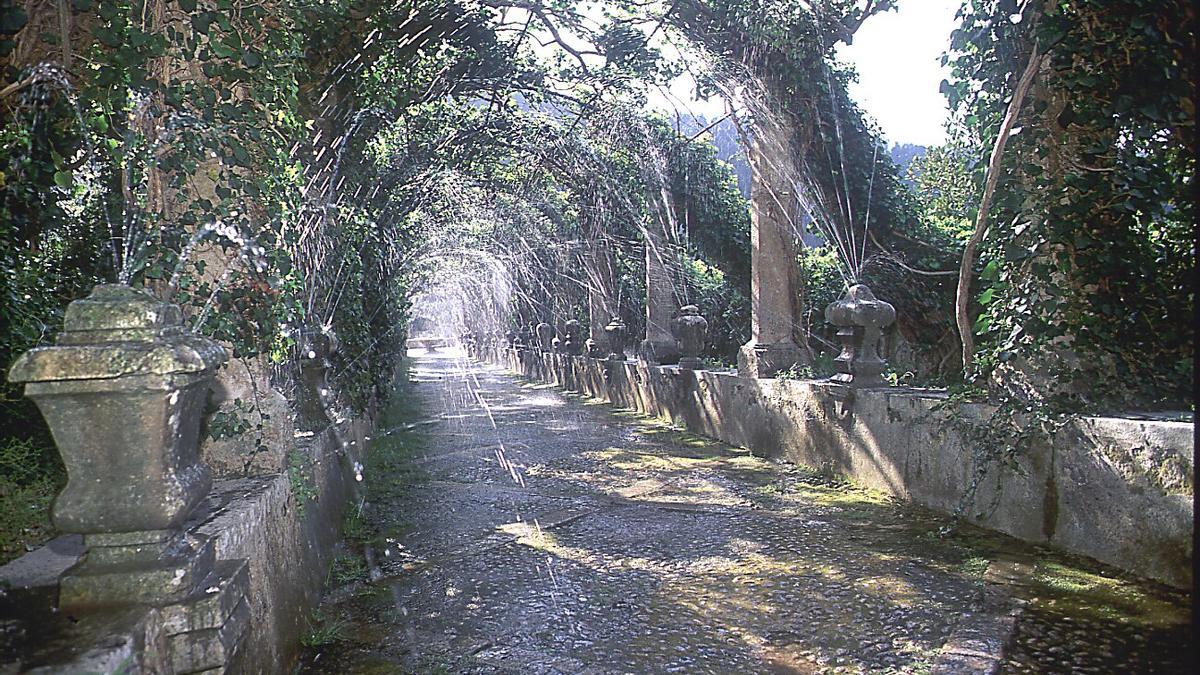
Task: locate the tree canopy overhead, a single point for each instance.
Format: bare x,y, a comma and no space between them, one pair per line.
281,163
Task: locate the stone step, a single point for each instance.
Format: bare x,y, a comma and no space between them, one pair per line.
100,580
213,602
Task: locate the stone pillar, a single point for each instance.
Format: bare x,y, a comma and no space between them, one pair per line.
659,345
601,278
774,274
123,392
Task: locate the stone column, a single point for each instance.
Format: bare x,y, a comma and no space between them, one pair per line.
601,279
661,306
774,275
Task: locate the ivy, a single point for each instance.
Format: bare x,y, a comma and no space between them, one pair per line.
1092,264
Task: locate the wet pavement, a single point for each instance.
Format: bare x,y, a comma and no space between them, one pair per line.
513,529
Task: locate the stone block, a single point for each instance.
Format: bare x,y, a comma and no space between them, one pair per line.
102,579
213,603
763,361
212,649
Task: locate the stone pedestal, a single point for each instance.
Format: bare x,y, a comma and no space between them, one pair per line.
618,336
545,336
573,342
860,319
691,333
768,360
123,392
774,276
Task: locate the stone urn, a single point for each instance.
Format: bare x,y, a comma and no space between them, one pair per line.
123,391
691,331
545,336
573,343
860,319
316,345
618,336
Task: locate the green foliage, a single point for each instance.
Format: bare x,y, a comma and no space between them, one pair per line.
301,478
347,568
30,476
323,630
230,423
1091,264
947,198
823,284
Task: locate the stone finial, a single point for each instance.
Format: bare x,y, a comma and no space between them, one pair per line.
545,336
573,342
618,336
123,392
316,345
860,319
691,331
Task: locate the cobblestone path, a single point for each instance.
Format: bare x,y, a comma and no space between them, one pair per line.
516,530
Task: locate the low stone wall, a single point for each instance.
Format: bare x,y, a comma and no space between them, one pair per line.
1112,489
287,539
284,526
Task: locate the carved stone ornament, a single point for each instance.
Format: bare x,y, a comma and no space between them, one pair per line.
860,319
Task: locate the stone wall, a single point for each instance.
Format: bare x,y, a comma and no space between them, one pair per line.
285,538
1115,490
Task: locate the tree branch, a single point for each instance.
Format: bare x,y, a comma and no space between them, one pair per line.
963,296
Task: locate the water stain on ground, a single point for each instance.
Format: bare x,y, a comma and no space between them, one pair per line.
519,530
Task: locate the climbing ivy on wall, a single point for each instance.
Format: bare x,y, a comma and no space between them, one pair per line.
1089,273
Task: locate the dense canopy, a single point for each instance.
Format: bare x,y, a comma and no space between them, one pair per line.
486,164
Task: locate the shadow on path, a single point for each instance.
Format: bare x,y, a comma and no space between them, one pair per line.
518,530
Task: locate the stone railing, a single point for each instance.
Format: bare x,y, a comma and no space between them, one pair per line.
1116,490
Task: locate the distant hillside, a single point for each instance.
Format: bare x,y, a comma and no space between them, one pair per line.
903,155
724,136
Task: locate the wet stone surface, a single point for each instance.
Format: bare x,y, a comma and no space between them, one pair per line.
518,530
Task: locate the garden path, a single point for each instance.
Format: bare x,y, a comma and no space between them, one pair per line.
520,530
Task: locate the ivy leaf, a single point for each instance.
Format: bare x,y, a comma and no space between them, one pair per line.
63,179
202,21
990,271
251,59
220,49
187,5
108,37
985,298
